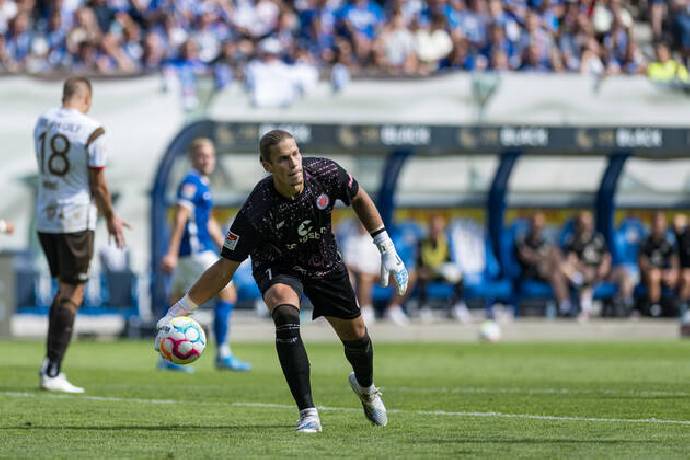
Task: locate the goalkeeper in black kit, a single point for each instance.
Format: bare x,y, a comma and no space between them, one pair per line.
285,226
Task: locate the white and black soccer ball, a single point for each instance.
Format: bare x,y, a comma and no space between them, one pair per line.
489,331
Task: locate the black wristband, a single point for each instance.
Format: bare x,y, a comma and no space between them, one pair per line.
378,232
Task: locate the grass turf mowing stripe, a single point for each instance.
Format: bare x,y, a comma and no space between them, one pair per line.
438,413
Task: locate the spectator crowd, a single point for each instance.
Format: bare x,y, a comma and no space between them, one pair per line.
351,37
565,270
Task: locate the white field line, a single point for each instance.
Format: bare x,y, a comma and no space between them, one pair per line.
14,394
533,391
443,413
432,413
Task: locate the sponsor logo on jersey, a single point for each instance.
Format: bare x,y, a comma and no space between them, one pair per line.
188,191
306,232
231,241
304,228
322,201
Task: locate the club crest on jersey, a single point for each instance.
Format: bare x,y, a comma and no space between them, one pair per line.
231,241
322,201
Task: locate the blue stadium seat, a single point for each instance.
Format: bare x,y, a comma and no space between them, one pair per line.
26,283
482,278
566,232
120,289
487,284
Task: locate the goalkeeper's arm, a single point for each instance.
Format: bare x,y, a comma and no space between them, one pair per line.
211,282
390,261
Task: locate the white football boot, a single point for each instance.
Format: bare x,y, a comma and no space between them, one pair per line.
372,403
58,384
309,421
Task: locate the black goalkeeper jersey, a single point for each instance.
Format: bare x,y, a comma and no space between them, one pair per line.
292,234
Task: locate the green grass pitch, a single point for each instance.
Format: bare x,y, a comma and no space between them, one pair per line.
505,400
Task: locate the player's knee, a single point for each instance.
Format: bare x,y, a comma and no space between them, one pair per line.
360,344
353,329
286,319
72,293
67,306
279,294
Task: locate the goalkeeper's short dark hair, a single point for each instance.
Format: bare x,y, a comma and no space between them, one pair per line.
268,140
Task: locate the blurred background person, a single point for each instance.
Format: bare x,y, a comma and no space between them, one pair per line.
665,68
434,263
193,247
542,261
588,262
363,262
658,263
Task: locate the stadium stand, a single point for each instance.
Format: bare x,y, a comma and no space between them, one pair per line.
366,37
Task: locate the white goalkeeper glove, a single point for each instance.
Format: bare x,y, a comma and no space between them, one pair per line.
391,262
182,308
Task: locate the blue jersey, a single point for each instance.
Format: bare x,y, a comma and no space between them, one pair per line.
194,194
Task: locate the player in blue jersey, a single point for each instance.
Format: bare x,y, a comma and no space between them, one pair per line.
193,247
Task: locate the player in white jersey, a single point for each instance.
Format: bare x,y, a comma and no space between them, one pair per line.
71,154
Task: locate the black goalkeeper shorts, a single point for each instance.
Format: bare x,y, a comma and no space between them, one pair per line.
330,296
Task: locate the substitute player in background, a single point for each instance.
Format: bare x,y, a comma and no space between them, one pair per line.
285,226
71,153
193,247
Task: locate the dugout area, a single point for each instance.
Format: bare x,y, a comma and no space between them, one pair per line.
466,172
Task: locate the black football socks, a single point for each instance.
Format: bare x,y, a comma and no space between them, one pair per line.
360,354
292,355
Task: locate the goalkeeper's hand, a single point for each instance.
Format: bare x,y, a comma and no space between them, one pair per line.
391,262
182,308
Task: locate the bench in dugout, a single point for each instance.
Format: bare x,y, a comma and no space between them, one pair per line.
528,290
470,251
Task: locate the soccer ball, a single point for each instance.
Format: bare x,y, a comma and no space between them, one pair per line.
183,340
489,331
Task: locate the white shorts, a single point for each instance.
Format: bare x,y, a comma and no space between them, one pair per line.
190,268
361,255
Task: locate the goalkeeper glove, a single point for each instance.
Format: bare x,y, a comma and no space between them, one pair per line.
390,262
182,308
